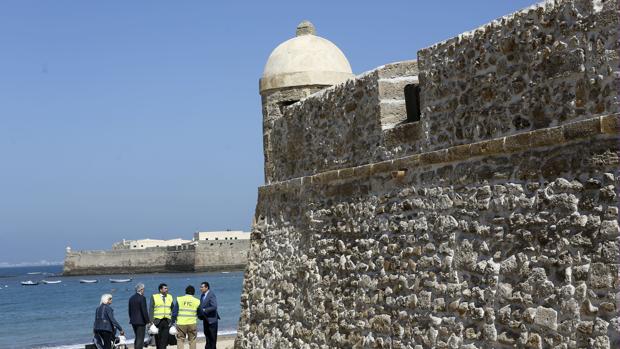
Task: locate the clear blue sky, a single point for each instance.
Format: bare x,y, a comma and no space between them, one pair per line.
134,119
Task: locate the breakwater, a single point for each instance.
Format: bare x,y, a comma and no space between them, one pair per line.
196,257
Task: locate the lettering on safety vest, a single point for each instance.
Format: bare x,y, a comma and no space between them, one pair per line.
188,309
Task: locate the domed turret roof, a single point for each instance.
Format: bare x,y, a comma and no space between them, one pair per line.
305,60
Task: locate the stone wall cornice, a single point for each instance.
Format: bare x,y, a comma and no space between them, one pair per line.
605,126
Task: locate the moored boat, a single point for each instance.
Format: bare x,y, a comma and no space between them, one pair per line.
87,281
116,281
51,281
29,283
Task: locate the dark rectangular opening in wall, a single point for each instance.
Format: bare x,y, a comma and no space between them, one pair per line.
412,102
286,104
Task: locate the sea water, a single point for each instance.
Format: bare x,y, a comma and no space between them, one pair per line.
62,315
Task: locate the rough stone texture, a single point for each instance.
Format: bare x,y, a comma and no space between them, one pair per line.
553,64
491,223
203,256
325,131
539,67
506,250
274,102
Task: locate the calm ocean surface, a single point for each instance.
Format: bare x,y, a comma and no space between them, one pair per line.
62,315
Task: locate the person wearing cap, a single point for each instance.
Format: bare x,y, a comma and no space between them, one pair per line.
161,315
138,315
184,315
105,323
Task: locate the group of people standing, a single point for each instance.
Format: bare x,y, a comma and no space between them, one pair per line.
164,312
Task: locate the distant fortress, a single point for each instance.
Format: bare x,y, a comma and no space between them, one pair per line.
208,251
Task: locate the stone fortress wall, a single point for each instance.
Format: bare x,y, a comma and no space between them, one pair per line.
198,256
490,223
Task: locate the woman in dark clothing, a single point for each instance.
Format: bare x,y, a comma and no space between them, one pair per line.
105,324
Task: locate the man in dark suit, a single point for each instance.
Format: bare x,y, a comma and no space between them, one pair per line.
138,315
208,314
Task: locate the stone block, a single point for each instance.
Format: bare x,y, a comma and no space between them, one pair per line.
489,333
393,70
409,162
610,124
345,173
600,327
509,265
392,112
518,142
547,137
459,152
362,171
434,157
327,177
394,89
534,341
582,129
491,147
381,167
546,317
600,276
609,229
408,133
315,179
424,300
399,174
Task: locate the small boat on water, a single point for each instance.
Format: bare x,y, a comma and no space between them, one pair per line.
118,281
29,283
35,273
51,281
86,281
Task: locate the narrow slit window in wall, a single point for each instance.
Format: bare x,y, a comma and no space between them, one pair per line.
412,102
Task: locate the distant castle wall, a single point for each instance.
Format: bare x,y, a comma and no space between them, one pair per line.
115,261
221,255
200,256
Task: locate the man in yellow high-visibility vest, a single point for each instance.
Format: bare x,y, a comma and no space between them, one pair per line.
161,314
184,314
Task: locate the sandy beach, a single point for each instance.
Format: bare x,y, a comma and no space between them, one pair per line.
223,342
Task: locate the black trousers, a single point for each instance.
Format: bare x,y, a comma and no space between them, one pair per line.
161,338
210,331
138,330
107,337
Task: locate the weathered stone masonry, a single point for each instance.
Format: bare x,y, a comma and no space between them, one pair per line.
490,223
